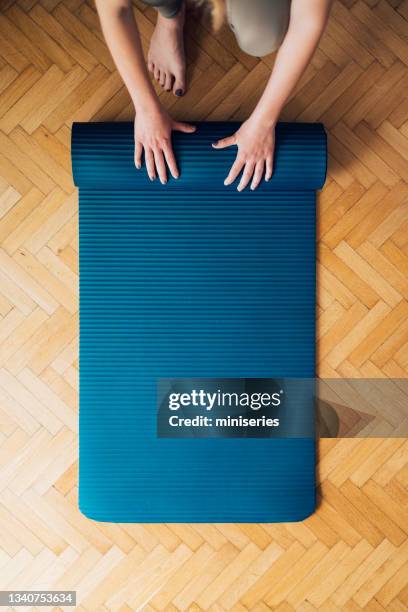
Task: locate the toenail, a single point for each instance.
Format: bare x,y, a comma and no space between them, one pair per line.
179,92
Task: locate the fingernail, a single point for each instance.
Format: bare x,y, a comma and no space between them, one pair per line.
179,92
138,166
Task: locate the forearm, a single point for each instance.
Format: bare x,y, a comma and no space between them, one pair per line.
123,39
308,19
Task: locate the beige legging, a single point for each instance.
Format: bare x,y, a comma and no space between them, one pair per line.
259,25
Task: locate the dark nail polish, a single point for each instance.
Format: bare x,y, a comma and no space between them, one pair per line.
179,92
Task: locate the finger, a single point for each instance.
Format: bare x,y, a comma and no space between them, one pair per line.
138,154
171,161
160,165
246,175
168,81
179,86
149,159
269,168
224,142
162,78
234,171
179,126
258,174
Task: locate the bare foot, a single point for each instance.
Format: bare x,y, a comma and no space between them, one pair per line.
166,60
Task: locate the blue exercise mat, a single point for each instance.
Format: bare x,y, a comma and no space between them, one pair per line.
193,281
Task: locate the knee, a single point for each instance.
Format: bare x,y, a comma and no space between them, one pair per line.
260,25
259,46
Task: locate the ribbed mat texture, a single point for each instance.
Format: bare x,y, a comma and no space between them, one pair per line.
192,280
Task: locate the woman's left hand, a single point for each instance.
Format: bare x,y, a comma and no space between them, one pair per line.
256,145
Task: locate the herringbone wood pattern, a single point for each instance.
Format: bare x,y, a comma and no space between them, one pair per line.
353,553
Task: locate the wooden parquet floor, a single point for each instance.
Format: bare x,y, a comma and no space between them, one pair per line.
353,553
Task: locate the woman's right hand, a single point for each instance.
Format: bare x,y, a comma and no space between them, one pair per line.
153,130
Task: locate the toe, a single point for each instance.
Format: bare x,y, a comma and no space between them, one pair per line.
157,73
150,66
179,85
162,77
168,82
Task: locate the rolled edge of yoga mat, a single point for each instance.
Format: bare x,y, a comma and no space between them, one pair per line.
103,158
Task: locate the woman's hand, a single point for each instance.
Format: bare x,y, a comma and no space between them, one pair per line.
153,136
256,143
